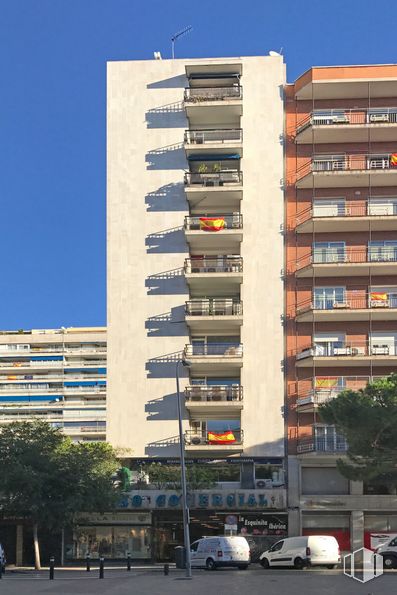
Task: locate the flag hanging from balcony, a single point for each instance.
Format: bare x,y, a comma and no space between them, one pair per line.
326,382
377,296
212,223
393,159
223,438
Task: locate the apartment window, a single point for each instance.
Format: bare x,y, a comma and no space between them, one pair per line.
328,207
327,298
323,480
329,252
382,250
382,206
327,440
329,344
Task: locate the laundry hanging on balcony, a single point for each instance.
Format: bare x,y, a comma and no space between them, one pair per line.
223,438
212,223
393,159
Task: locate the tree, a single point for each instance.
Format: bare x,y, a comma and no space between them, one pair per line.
368,420
47,478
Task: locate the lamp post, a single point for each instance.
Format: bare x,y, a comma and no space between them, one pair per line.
185,509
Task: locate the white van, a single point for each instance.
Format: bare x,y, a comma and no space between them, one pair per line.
213,552
310,550
388,550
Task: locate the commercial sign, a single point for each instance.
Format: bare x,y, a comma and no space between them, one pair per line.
206,499
264,524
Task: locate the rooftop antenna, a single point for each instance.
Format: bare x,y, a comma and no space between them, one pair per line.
177,36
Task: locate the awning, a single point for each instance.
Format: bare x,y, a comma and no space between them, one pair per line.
214,75
219,157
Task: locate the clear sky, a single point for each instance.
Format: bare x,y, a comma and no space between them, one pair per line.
52,119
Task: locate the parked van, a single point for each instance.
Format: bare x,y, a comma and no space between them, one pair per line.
389,552
213,552
310,550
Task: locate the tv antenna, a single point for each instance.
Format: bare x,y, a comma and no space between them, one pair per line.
176,36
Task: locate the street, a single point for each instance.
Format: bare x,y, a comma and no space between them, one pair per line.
221,582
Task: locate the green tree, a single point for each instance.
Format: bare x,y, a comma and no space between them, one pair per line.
47,478
368,420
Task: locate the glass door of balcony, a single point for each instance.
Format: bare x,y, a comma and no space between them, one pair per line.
326,344
382,206
327,440
383,343
325,252
327,298
382,251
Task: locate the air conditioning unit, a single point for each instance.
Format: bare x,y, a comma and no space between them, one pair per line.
196,439
342,119
262,484
340,305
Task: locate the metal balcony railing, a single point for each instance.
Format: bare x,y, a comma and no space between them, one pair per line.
348,254
195,438
204,94
212,136
232,350
349,209
348,162
379,115
29,389
220,392
375,300
348,349
321,389
214,307
214,179
197,223
331,444
214,264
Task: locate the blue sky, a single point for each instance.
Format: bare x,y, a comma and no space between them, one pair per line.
52,119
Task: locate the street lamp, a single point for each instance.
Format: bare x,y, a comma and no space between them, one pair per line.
185,509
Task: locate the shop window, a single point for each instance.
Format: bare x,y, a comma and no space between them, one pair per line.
323,480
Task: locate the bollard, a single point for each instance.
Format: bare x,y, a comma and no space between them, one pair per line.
1,570
101,567
52,566
128,561
88,563
166,569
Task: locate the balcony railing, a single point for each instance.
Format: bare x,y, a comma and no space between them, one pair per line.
28,389
214,264
204,94
348,254
374,300
195,438
332,444
323,388
210,136
349,209
233,221
351,162
214,349
348,349
213,393
214,307
212,179
379,115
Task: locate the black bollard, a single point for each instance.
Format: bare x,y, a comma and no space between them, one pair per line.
52,567
88,563
1,570
166,569
101,567
128,561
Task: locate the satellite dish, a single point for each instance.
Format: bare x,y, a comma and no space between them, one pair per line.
274,54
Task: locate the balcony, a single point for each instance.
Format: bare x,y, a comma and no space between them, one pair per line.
213,140
348,126
199,441
213,104
214,398
217,357
313,392
223,190
348,261
348,170
333,445
214,274
211,314
348,353
373,306
348,216
214,232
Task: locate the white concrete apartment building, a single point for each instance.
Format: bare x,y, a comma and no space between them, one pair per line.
57,375
195,259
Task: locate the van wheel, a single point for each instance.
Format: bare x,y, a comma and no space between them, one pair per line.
389,562
331,566
265,563
210,564
299,564
243,567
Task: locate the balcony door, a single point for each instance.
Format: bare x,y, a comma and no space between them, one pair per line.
328,344
326,439
326,298
382,206
334,207
324,252
382,251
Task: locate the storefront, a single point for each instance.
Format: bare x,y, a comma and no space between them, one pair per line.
379,528
335,524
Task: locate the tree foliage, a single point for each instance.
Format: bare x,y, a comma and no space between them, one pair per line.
368,420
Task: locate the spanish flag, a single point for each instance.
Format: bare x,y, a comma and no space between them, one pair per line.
378,297
393,160
224,438
326,382
212,223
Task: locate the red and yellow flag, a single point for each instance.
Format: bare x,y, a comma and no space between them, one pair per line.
223,438
326,382
393,159
376,296
212,223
